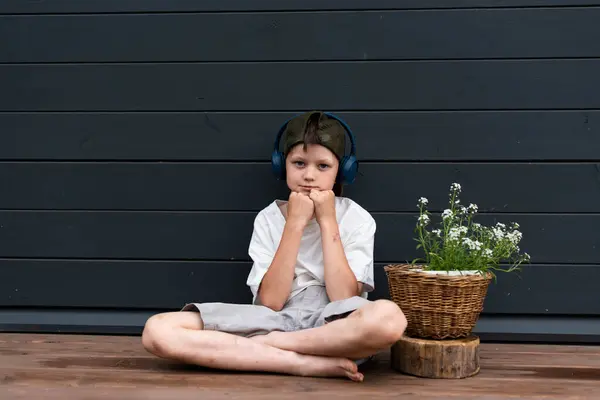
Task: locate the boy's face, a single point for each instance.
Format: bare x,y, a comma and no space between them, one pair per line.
315,168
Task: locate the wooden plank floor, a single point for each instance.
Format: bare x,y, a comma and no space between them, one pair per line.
116,367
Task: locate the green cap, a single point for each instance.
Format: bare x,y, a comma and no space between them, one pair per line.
329,133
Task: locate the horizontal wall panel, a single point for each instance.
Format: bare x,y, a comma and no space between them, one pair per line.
489,328
98,322
429,136
160,285
140,186
548,238
565,329
111,6
458,85
251,186
170,285
447,34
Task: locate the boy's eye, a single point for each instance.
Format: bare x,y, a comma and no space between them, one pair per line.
299,163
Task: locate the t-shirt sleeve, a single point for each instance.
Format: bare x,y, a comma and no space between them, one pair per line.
359,253
261,251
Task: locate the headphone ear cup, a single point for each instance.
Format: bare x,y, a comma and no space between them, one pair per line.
348,169
278,164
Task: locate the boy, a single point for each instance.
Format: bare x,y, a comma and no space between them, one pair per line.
312,268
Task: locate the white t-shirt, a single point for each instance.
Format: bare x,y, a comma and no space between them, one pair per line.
357,231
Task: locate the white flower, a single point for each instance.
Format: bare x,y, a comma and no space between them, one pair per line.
476,226
473,208
500,225
514,236
447,213
526,256
455,233
472,244
498,233
436,232
488,252
424,219
455,187
423,201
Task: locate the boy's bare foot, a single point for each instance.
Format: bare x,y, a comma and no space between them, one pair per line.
327,367
309,365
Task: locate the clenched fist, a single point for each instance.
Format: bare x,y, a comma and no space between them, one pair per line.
300,208
324,204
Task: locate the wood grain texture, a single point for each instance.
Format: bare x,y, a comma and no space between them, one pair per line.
76,366
438,359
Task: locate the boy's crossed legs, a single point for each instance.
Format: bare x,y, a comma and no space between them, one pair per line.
321,351
366,331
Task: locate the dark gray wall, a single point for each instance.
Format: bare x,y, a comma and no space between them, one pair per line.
135,139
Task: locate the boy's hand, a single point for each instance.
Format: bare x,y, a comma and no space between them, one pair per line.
324,205
300,208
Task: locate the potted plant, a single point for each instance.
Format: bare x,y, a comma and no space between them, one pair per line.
442,293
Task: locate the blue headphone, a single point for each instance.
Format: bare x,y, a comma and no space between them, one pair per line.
348,164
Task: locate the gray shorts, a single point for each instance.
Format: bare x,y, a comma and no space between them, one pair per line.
310,308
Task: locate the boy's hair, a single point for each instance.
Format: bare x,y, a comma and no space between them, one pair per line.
314,127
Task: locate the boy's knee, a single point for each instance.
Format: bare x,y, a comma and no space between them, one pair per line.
156,335
162,332
386,321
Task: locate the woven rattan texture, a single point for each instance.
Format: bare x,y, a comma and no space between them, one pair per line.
437,306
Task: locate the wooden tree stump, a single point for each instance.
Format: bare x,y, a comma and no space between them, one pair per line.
426,358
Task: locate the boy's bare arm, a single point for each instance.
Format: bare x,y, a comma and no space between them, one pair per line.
340,281
277,282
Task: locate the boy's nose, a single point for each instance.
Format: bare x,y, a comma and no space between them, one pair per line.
309,174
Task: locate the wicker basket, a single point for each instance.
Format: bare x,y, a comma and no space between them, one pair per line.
437,306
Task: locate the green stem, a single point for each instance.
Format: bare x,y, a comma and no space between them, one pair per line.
420,230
